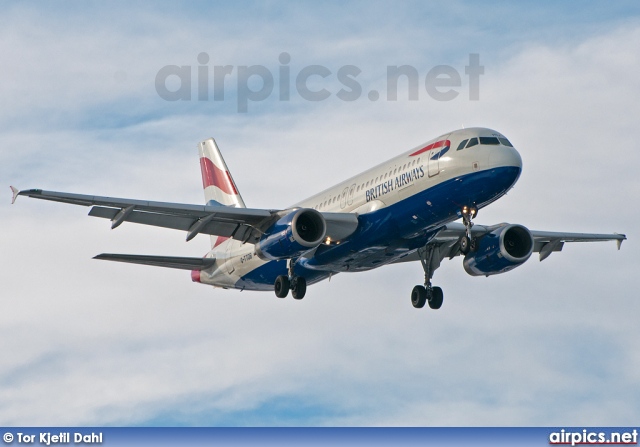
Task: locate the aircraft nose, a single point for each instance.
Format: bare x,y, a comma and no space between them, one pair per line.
503,156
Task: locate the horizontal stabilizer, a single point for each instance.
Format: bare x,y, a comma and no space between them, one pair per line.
173,262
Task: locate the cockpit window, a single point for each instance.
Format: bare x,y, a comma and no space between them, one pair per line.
472,142
505,142
489,140
461,145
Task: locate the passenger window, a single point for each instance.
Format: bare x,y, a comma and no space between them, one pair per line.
395,170
461,145
505,142
472,142
493,141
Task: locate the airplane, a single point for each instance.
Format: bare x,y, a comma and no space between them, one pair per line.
403,210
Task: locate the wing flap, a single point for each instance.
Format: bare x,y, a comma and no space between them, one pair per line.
173,262
155,219
217,227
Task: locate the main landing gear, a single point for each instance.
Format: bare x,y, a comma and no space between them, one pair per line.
467,243
284,283
430,258
421,295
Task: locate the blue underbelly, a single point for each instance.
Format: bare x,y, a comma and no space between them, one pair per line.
385,235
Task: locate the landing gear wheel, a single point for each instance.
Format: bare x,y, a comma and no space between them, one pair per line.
465,244
298,288
418,296
436,298
473,246
281,287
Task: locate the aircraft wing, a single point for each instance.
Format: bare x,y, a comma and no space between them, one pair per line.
545,242
243,224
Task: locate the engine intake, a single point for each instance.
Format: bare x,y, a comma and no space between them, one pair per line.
500,251
292,235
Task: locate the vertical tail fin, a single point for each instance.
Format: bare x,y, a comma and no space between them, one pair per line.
219,187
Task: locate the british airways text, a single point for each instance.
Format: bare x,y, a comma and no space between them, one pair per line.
391,184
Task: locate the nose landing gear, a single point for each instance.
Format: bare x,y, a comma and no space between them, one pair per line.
467,243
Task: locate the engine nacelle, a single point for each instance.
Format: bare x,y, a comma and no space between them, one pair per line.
500,251
292,235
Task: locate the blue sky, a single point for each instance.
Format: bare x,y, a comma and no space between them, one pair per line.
90,343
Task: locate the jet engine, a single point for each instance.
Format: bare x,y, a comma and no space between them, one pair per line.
292,235
500,251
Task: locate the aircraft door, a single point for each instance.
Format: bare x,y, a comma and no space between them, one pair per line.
352,192
433,160
343,198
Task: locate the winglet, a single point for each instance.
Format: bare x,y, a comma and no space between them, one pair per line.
619,241
15,192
